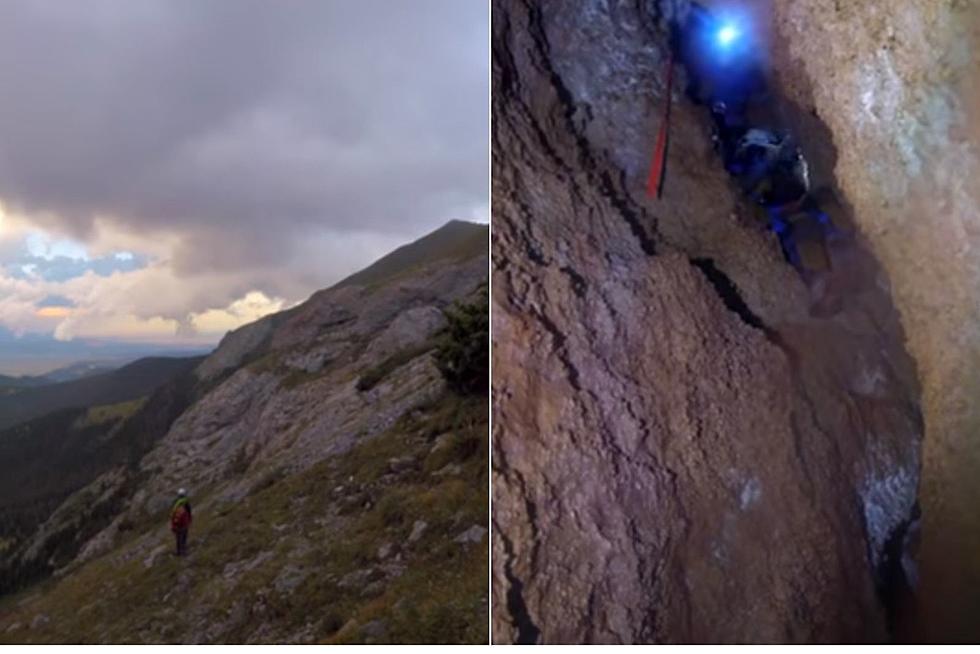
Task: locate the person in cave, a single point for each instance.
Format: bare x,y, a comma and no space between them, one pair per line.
725,74
771,170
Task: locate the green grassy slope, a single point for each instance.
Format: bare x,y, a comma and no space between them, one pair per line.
320,530
454,240
45,460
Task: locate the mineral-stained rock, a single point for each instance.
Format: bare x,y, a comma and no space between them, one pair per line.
898,85
685,450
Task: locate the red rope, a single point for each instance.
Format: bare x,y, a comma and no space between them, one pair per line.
655,183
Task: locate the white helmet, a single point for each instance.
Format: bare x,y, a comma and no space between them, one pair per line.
182,492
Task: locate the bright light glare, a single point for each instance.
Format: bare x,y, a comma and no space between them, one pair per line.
726,35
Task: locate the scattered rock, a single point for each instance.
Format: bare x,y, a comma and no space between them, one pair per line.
392,569
401,464
472,535
304,636
302,548
290,578
183,582
40,620
385,550
157,552
417,530
373,589
374,629
309,362
356,579
449,470
14,627
232,570
442,442
261,634
260,606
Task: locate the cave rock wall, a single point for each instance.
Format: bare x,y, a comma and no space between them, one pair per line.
683,450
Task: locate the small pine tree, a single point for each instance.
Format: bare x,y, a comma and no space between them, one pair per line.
463,355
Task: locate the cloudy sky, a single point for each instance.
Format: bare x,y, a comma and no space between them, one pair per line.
171,169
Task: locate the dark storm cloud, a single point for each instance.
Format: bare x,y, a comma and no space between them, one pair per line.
244,126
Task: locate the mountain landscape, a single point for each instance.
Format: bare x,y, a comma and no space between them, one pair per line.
70,372
335,454
39,358
134,380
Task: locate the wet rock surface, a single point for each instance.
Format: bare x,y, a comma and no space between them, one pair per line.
688,447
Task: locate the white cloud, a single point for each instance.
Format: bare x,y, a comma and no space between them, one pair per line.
240,312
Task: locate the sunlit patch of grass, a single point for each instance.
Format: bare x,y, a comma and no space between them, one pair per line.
107,413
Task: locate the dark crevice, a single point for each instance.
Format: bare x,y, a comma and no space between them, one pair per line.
895,590
561,350
628,212
527,632
579,285
728,292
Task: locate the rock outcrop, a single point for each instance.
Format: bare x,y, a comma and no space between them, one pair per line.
690,443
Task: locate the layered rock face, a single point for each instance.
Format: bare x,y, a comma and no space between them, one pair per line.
896,82
690,444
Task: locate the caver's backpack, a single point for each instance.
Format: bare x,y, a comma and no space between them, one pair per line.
180,517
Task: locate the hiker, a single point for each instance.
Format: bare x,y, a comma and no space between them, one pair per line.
180,521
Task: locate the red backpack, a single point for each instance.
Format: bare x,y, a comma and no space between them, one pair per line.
180,517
